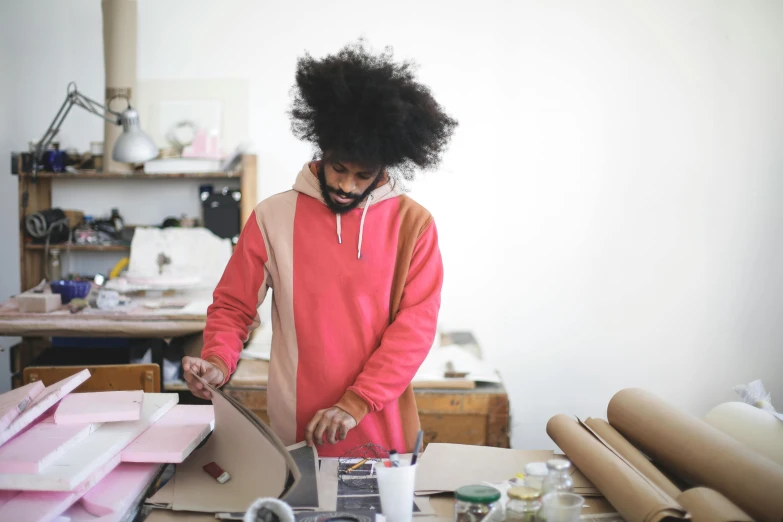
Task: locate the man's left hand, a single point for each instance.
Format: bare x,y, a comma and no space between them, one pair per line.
333,422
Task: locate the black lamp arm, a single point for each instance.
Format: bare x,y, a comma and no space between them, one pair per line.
74,97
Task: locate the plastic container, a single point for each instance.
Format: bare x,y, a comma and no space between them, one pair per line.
69,290
561,506
395,486
478,504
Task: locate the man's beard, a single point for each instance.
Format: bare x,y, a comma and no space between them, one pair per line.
356,199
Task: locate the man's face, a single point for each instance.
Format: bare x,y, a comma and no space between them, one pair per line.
344,185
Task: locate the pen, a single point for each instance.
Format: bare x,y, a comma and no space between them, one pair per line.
417,447
394,457
356,466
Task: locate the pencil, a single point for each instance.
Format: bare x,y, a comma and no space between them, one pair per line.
356,466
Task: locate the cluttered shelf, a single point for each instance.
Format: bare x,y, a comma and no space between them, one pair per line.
132,175
76,247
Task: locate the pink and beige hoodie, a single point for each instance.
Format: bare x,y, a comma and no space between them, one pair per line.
355,301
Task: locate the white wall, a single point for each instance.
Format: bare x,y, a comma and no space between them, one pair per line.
608,208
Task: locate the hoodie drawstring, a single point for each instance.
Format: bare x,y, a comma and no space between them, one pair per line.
361,227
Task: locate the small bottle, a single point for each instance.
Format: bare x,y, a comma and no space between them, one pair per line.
558,478
117,220
478,504
54,268
523,505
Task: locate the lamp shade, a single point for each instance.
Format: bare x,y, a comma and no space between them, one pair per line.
133,145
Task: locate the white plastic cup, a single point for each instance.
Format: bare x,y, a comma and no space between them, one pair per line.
561,506
396,489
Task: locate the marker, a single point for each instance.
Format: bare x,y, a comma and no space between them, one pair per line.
417,447
394,457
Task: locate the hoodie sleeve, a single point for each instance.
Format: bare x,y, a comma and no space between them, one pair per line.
234,309
408,339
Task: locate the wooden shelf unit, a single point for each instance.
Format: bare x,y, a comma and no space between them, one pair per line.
39,189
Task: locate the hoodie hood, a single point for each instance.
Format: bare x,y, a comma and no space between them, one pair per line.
307,183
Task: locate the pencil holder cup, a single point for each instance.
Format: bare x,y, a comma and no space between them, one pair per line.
396,490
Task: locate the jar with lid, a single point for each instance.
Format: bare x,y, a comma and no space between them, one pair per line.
523,505
478,504
559,476
535,473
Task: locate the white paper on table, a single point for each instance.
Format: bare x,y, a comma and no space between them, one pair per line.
434,366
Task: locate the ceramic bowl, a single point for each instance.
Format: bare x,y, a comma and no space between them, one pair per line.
71,289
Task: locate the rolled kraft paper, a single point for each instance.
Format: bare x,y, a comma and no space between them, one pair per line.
699,453
604,430
707,505
119,55
630,494
755,428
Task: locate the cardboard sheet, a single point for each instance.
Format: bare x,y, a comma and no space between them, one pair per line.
108,406
42,444
706,505
104,445
634,496
174,436
47,398
447,467
14,402
606,432
305,494
243,446
699,453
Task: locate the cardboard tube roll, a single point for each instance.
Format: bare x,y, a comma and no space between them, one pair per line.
634,497
119,56
752,426
707,505
699,453
633,455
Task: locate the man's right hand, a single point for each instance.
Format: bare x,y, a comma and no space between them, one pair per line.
206,370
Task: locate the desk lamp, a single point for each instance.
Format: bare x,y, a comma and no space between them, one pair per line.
133,145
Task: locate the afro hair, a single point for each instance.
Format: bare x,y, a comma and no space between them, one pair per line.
364,108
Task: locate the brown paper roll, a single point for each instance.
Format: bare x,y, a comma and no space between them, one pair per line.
699,453
634,497
604,430
119,56
707,505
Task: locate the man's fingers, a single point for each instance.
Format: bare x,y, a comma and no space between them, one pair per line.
318,434
331,431
311,428
343,431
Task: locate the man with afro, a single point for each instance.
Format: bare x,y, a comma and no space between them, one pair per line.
353,262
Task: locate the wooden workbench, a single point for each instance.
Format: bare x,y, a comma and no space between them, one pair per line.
478,416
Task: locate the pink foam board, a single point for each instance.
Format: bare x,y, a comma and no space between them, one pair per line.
115,494
50,396
111,406
14,402
47,506
41,444
173,437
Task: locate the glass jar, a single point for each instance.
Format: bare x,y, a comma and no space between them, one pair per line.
535,473
523,504
559,477
478,504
